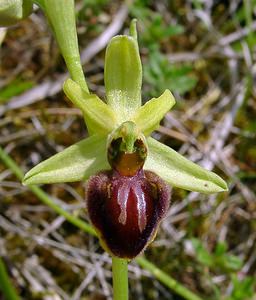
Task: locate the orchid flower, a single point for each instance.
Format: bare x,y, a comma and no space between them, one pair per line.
128,173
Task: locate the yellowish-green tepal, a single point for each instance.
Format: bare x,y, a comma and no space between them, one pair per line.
13,11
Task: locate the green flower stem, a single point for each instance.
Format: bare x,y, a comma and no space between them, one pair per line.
44,197
72,219
120,278
6,286
61,16
171,283
144,263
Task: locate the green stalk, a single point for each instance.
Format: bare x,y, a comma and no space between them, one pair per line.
44,197
120,278
6,286
165,279
61,16
248,11
171,283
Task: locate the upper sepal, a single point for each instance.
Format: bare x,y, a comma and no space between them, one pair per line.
75,163
181,172
123,75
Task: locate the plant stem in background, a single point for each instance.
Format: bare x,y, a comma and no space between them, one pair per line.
164,278
44,197
6,286
120,278
248,12
167,280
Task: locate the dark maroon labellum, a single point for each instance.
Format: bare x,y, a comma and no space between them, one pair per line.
126,210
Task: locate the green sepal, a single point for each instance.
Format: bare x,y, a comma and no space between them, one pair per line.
181,172
148,116
61,16
99,117
13,11
123,76
77,162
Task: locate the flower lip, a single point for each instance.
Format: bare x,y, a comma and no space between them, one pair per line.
126,211
126,201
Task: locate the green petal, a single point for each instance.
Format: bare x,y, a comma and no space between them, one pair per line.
181,172
12,11
123,75
99,117
75,163
148,116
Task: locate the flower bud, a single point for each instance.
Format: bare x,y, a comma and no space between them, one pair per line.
12,11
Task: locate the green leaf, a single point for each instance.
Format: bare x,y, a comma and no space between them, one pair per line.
183,83
221,248
14,88
99,117
202,254
150,114
160,74
243,288
123,76
179,171
231,262
75,163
